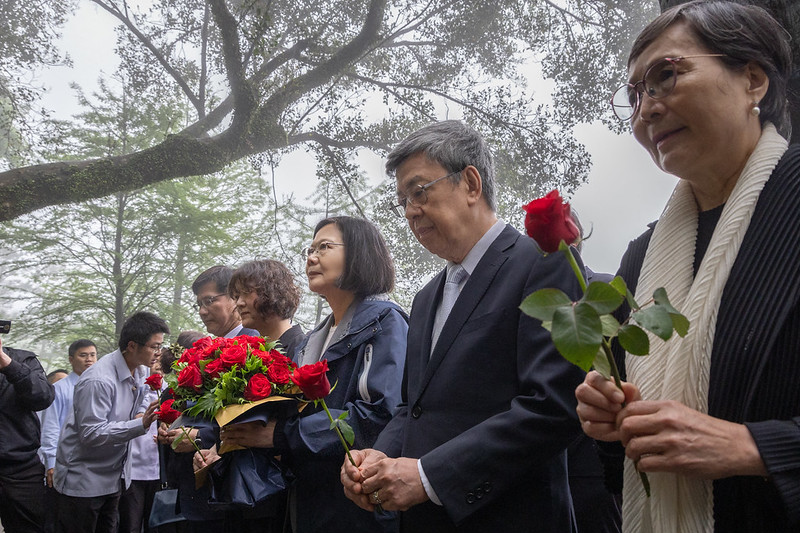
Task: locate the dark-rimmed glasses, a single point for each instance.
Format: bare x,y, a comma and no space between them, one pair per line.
658,81
207,301
320,249
156,348
418,196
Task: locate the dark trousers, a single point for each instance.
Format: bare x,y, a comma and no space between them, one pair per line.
97,514
135,505
22,500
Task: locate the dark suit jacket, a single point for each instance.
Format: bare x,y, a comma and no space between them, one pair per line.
492,410
755,361
249,332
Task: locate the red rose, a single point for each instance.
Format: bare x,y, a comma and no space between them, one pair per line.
214,368
265,357
235,354
154,382
166,413
278,372
202,344
313,380
549,221
258,388
216,345
191,356
254,342
190,378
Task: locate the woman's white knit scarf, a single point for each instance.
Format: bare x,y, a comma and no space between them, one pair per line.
679,369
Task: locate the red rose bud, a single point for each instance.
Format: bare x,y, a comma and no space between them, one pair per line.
278,357
258,388
548,221
166,413
190,378
313,380
154,382
202,344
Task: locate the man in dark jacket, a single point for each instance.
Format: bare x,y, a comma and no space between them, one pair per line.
23,391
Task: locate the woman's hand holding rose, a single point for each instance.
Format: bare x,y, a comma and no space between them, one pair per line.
667,436
599,403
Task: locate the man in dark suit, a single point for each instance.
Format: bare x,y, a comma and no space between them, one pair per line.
489,408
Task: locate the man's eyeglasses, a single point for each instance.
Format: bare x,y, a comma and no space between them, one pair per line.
658,81
207,301
418,195
156,347
320,250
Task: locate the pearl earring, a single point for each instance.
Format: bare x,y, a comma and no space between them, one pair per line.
755,110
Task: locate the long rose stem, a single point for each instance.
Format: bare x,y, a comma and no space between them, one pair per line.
338,433
618,381
606,347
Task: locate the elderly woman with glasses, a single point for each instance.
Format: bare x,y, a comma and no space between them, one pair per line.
713,418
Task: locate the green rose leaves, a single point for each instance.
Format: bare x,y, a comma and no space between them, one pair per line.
578,329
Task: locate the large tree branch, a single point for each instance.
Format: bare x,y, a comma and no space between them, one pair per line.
174,74
244,96
218,114
324,140
449,97
336,64
30,188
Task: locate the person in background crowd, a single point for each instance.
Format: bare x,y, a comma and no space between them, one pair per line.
713,418
488,406
216,308
82,355
179,472
56,375
23,391
92,462
137,500
266,298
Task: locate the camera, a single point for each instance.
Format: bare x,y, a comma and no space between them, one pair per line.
5,326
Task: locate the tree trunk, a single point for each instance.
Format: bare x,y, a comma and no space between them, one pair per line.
787,12
180,275
119,282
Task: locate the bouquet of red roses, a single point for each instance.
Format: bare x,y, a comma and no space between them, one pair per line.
222,378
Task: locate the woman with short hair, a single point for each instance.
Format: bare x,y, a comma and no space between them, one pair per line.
267,297
364,342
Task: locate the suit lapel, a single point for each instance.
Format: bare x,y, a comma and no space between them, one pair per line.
471,295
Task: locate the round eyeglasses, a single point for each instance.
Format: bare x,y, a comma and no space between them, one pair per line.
418,196
658,81
321,249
